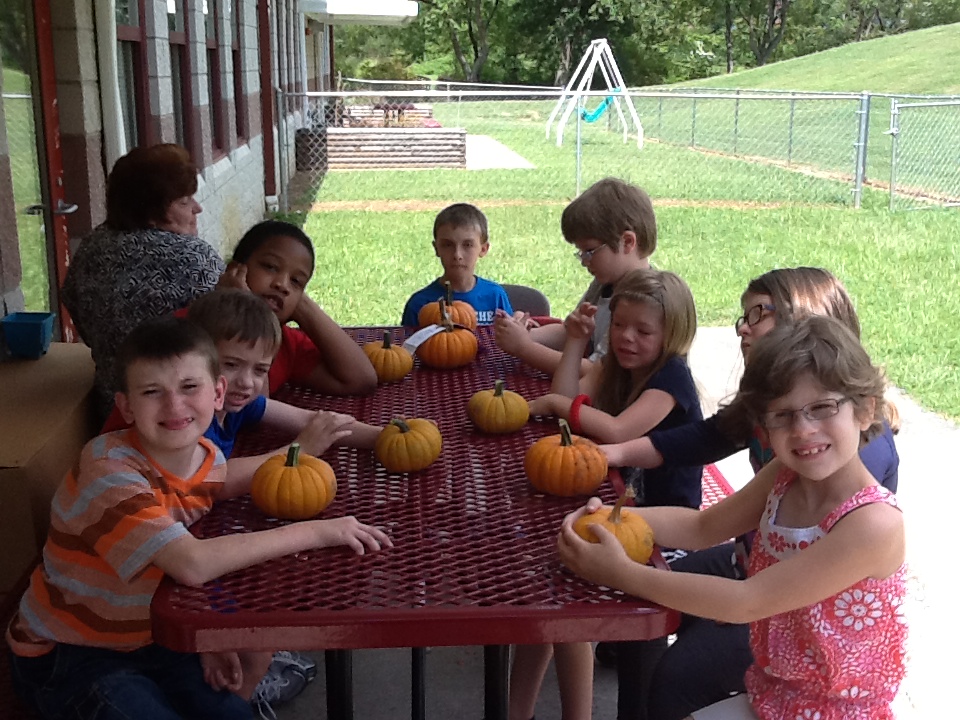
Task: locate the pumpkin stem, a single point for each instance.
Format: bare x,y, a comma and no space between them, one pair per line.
444,317
293,455
401,423
449,295
566,438
614,516
386,341
498,387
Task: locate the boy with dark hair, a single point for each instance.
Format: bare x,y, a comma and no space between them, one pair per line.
81,638
613,227
460,239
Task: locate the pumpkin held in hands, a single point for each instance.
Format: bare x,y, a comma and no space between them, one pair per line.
629,528
565,464
459,312
408,445
498,410
453,347
392,362
293,486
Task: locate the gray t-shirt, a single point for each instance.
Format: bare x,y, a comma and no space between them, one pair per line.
599,295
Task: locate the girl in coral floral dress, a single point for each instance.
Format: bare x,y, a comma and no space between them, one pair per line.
827,578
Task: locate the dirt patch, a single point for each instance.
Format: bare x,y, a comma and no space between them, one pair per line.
436,205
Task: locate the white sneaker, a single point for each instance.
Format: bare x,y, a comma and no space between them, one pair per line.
275,689
301,663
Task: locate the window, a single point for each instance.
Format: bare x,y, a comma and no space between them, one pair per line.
131,72
218,132
239,99
180,74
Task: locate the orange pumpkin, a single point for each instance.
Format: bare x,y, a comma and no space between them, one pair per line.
453,347
459,312
565,464
408,445
392,362
293,486
498,410
633,532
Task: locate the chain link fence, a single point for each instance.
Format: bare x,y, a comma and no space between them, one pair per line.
925,167
538,145
18,116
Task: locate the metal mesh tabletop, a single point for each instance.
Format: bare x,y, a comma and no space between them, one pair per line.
474,560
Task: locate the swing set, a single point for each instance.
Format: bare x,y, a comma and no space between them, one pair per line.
598,55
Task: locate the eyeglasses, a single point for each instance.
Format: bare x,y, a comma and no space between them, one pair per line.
814,412
584,256
754,315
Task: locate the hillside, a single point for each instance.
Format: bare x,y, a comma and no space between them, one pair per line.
923,61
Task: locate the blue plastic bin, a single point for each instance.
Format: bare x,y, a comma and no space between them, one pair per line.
27,334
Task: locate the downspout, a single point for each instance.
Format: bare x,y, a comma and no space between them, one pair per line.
105,27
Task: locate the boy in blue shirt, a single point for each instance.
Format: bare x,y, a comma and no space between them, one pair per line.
459,240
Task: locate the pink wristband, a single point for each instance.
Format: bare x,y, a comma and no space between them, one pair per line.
575,412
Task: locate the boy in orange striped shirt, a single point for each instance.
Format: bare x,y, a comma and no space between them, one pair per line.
81,638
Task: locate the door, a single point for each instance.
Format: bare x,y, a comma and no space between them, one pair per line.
33,135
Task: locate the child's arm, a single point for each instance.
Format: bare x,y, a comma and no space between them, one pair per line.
320,432
865,543
579,326
343,369
293,419
192,561
696,443
540,348
646,412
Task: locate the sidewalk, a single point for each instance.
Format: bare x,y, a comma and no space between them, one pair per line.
381,678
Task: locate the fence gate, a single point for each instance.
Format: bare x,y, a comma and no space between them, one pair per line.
925,158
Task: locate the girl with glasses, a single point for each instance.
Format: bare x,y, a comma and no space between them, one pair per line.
827,576
708,660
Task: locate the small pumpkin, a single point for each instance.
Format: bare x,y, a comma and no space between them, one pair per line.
498,410
459,312
565,464
408,445
293,486
453,347
392,362
633,532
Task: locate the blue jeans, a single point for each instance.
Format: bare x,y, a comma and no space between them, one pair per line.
75,682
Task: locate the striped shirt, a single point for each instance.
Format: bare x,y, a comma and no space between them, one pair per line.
109,518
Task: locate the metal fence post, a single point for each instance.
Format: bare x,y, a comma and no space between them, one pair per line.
860,171
660,117
579,141
793,107
693,123
894,132
736,121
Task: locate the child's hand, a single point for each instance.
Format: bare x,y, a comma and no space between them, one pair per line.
545,404
352,533
306,307
581,323
600,563
323,430
222,670
235,276
509,333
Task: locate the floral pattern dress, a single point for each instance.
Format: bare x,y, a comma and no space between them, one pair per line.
839,659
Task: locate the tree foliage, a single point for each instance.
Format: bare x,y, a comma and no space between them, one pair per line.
654,41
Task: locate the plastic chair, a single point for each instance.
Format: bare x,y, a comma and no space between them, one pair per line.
527,299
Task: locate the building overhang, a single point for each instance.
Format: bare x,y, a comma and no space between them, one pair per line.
360,12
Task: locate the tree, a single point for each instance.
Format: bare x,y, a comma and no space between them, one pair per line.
467,23
766,22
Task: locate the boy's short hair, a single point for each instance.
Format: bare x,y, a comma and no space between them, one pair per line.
233,314
164,338
263,231
607,209
462,215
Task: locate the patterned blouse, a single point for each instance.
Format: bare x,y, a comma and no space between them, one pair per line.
842,658
116,280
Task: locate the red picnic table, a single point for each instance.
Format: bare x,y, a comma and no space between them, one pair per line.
474,560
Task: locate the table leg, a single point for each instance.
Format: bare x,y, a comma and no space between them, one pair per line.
496,681
339,669
418,683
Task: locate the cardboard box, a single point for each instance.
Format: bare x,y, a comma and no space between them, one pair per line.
46,417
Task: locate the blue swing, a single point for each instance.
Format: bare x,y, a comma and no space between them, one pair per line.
595,114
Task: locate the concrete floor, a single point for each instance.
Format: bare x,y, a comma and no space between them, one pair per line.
928,480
